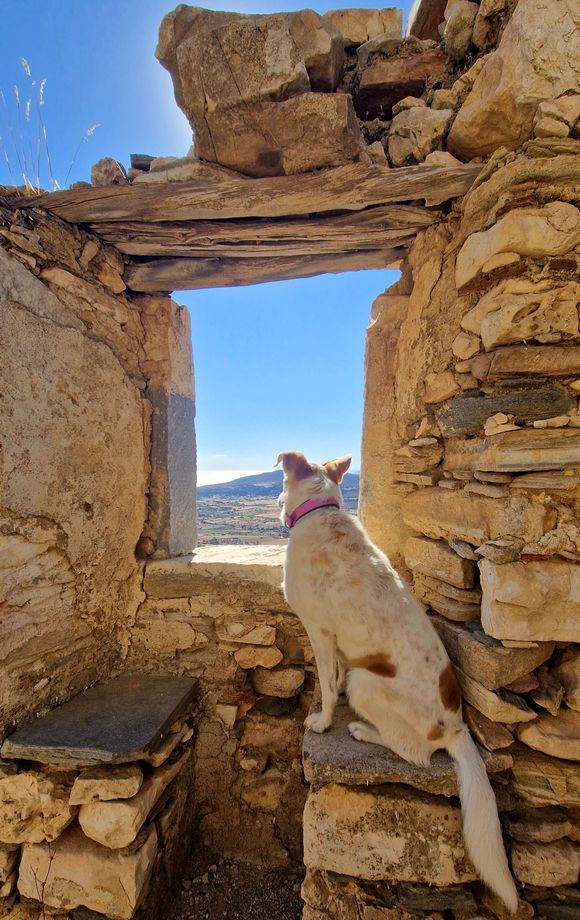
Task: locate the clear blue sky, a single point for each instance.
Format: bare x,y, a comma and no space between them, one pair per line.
278,366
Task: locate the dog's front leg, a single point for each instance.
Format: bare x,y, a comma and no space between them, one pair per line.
324,647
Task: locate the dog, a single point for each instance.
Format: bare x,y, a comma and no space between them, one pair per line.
367,629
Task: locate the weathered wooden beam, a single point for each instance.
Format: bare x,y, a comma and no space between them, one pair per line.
373,228
344,188
190,274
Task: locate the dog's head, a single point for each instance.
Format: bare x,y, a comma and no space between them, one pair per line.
304,480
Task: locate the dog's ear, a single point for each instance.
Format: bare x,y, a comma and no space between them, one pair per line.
336,469
295,464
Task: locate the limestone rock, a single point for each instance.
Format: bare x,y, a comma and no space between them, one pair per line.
370,835
321,45
546,864
517,309
550,127
409,102
568,673
80,873
485,659
454,608
376,151
533,600
551,230
474,518
108,172
466,414
386,81
439,387
558,735
253,656
542,780
483,33
424,127
358,25
512,450
498,707
527,361
566,110
9,857
441,158
459,21
400,150
283,138
116,824
542,825
34,806
246,632
431,557
465,345
526,69
101,784
492,735
282,682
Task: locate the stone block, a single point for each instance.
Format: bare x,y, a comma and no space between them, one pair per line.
424,127
526,69
387,81
436,558
116,824
474,518
518,310
557,735
546,864
540,780
459,21
284,138
253,656
502,706
102,784
568,674
551,230
281,682
536,600
394,834
517,451
543,825
79,873
35,806
485,659
467,414
209,566
358,25
321,46
439,387
513,361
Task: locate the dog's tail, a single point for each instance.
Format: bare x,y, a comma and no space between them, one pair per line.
481,827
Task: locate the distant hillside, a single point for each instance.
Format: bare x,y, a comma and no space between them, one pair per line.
268,484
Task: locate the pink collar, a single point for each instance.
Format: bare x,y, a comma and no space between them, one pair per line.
306,507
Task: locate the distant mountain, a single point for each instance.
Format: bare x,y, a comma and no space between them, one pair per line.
264,485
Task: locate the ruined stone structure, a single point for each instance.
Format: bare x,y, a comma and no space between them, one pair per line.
453,154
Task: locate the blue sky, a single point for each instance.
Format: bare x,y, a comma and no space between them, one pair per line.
278,366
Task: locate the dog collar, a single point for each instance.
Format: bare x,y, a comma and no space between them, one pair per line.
306,507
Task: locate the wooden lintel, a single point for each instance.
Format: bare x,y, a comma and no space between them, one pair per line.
183,274
343,188
373,228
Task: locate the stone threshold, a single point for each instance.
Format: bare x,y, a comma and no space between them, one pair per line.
181,576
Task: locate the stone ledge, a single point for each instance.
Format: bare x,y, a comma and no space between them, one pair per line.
335,757
184,576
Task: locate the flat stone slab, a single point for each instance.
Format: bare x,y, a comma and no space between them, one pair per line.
116,722
184,576
336,757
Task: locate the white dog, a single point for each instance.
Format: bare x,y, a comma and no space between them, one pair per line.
361,618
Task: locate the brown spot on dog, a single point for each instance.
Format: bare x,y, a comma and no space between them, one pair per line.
436,733
321,559
335,469
377,664
295,464
449,689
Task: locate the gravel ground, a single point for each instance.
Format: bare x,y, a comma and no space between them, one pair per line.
235,891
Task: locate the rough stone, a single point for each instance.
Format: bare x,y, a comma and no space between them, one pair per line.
360,833
492,735
439,387
452,608
557,735
425,128
498,707
474,518
537,600
194,574
546,864
517,450
542,825
466,414
459,21
108,172
9,858
253,656
321,45
439,560
551,230
116,824
358,25
282,682
526,69
384,82
80,873
527,361
542,780
485,659
102,784
568,673
517,310
465,345
35,807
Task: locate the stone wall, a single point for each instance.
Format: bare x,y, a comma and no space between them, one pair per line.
90,379
219,615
